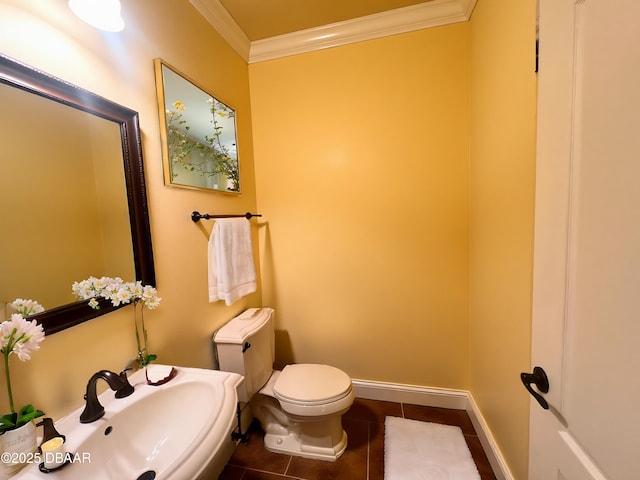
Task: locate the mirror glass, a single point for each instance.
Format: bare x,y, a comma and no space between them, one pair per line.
73,194
64,199
199,139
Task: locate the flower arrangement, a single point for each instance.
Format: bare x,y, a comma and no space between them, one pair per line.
22,337
211,157
119,293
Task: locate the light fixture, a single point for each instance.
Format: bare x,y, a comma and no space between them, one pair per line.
102,14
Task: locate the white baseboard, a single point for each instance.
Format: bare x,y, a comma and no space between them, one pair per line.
489,444
443,398
395,392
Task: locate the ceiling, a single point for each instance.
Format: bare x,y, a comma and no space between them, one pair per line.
260,19
261,30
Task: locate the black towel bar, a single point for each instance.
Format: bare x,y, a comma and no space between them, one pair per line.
195,216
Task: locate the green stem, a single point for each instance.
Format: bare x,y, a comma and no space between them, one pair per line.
135,320
6,352
144,330
8,376
142,344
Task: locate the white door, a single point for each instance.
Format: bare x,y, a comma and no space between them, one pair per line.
586,299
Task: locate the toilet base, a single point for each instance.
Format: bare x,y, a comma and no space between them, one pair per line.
319,437
291,445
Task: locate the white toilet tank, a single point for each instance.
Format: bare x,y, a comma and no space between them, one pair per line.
246,345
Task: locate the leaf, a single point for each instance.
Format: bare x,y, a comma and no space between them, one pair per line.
30,416
26,410
9,419
27,413
8,422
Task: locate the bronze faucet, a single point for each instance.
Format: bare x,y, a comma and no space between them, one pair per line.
93,410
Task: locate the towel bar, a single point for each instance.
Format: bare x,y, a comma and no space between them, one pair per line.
195,216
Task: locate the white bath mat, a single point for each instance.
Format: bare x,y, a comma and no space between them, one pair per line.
416,450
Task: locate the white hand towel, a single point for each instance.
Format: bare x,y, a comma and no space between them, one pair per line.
232,274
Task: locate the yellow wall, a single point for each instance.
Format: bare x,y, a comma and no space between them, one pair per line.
375,235
361,167
396,181
502,173
46,35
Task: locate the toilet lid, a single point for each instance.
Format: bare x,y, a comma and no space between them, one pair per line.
311,383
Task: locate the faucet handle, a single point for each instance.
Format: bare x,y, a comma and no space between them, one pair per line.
127,389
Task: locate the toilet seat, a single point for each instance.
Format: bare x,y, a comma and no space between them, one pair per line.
311,384
313,390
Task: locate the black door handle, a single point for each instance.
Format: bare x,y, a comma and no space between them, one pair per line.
540,380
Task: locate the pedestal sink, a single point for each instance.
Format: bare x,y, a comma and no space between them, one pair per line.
178,430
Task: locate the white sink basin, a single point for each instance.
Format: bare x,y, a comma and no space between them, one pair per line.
179,430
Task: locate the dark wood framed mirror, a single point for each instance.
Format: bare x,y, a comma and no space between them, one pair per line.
65,313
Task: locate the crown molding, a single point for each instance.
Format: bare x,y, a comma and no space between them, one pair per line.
223,22
402,20
429,14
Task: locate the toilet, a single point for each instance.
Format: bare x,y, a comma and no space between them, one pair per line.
300,408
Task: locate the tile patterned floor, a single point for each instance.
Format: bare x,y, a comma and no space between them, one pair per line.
363,459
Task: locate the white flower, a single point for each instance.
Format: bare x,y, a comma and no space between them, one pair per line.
26,307
23,337
150,297
111,291
137,289
116,291
20,336
5,330
119,292
123,295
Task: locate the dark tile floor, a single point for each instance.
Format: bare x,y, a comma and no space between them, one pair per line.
364,457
